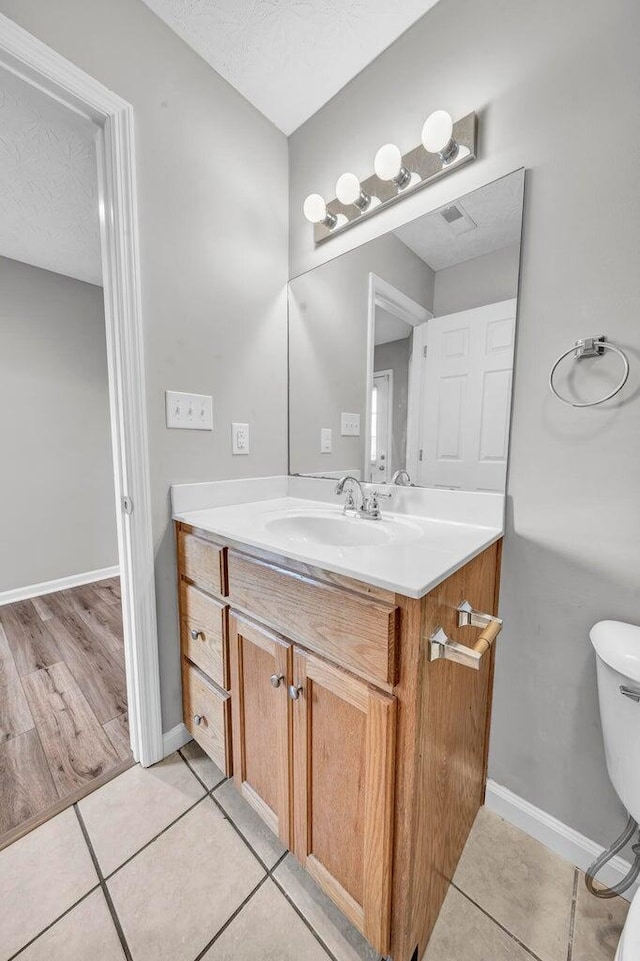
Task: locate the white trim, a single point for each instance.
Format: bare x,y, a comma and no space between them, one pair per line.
174,739
558,837
42,67
60,584
383,294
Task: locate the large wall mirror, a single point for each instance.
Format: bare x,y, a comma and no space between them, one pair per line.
401,350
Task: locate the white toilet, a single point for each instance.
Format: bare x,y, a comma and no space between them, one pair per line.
617,647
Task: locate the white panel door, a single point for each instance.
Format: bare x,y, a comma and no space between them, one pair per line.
466,398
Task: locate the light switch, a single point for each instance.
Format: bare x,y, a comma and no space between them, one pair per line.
189,411
239,438
325,440
350,425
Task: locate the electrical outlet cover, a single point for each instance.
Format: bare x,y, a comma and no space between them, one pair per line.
239,438
325,440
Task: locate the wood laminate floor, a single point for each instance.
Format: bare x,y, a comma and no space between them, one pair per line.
63,708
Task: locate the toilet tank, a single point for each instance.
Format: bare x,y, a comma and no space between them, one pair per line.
617,647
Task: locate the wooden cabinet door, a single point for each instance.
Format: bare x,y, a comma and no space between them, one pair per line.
344,759
261,721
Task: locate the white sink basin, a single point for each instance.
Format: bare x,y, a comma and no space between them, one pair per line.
334,529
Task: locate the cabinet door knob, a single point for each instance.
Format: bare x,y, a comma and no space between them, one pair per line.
276,680
195,634
198,718
295,690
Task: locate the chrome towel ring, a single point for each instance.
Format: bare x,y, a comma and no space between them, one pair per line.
591,347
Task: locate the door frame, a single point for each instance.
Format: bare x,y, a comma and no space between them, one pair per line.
388,373
385,295
38,65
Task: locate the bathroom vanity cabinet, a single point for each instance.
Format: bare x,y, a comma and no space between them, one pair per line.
316,693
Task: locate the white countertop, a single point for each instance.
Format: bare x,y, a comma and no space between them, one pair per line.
435,549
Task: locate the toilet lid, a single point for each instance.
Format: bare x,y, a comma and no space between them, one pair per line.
629,949
618,644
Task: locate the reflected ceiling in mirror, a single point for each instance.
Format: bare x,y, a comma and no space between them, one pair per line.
401,350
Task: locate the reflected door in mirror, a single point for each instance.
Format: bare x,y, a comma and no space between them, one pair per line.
466,398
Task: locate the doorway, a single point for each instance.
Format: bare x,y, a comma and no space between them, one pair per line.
134,639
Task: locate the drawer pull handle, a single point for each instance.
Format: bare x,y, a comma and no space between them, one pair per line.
195,634
295,691
441,646
276,680
631,692
198,719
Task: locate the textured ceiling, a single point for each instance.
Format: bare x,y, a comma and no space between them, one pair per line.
48,183
497,212
289,57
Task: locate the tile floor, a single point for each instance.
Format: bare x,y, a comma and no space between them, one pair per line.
170,864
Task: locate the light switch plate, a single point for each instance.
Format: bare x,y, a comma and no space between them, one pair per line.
189,411
350,425
239,438
325,440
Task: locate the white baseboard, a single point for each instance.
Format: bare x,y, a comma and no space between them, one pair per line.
558,837
61,584
174,739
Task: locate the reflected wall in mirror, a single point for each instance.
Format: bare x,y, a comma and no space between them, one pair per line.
401,350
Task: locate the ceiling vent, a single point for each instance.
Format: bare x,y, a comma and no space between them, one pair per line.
457,219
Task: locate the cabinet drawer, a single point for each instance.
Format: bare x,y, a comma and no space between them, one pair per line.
355,631
201,699
204,632
202,562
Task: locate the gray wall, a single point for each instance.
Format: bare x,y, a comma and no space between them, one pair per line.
542,76
474,283
56,482
328,347
212,179
395,356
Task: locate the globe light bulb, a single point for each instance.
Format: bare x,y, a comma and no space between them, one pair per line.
348,188
315,210
437,136
349,191
388,165
388,162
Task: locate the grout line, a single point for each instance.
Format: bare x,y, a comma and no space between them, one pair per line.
235,827
231,918
572,921
300,914
155,837
497,923
103,885
197,776
55,921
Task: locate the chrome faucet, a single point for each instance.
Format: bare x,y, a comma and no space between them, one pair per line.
350,504
401,478
368,507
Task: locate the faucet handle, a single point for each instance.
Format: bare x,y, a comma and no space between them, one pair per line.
350,503
378,493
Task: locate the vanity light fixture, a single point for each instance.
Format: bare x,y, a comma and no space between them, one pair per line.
388,165
315,210
445,145
349,191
